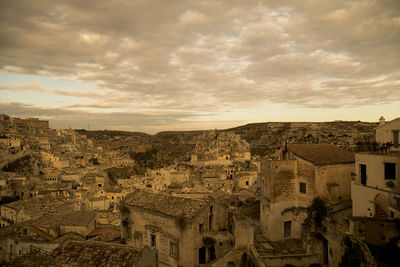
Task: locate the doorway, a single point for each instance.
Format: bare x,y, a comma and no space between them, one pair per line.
202,255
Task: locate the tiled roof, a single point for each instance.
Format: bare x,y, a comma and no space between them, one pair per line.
322,154
78,218
165,204
69,236
223,198
42,204
93,254
105,234
104,230
47,221
54,220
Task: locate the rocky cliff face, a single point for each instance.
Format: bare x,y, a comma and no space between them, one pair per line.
265,137
166,148
214,145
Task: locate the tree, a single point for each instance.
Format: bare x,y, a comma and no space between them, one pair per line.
316,212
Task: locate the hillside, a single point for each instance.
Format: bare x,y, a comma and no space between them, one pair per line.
170,147
264,137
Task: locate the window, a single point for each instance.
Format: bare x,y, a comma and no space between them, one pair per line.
153,240
390,171
363,174
127,225
287,229
201,227
303,188
173,249
247,182
396,139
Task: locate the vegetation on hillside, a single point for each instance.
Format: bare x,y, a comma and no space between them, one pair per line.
22,166
116,173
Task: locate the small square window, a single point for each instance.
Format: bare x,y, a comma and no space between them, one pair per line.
303,188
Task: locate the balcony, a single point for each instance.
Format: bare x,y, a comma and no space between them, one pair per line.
394,204
374,147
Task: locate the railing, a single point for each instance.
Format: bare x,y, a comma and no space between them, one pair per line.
394,202
376,147
38,251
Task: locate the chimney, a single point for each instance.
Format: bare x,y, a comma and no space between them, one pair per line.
381,121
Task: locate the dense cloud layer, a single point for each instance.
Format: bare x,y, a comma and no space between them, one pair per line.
198,56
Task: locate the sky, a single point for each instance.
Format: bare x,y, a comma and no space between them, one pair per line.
156,65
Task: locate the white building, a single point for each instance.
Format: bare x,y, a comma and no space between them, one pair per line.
388,132
376,189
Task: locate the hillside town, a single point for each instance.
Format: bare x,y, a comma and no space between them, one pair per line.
267,194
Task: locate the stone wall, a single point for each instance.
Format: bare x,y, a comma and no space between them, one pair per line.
278,177
333,182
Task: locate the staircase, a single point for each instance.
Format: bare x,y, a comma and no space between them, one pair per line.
379,212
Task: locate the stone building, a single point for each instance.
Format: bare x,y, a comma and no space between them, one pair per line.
101,254
388,132
34,208
221,147
289,185
45,233
376,189
376,198
186,232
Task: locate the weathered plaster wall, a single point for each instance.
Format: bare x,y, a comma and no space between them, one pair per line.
376,169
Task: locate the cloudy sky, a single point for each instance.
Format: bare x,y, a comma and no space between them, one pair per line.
154,65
